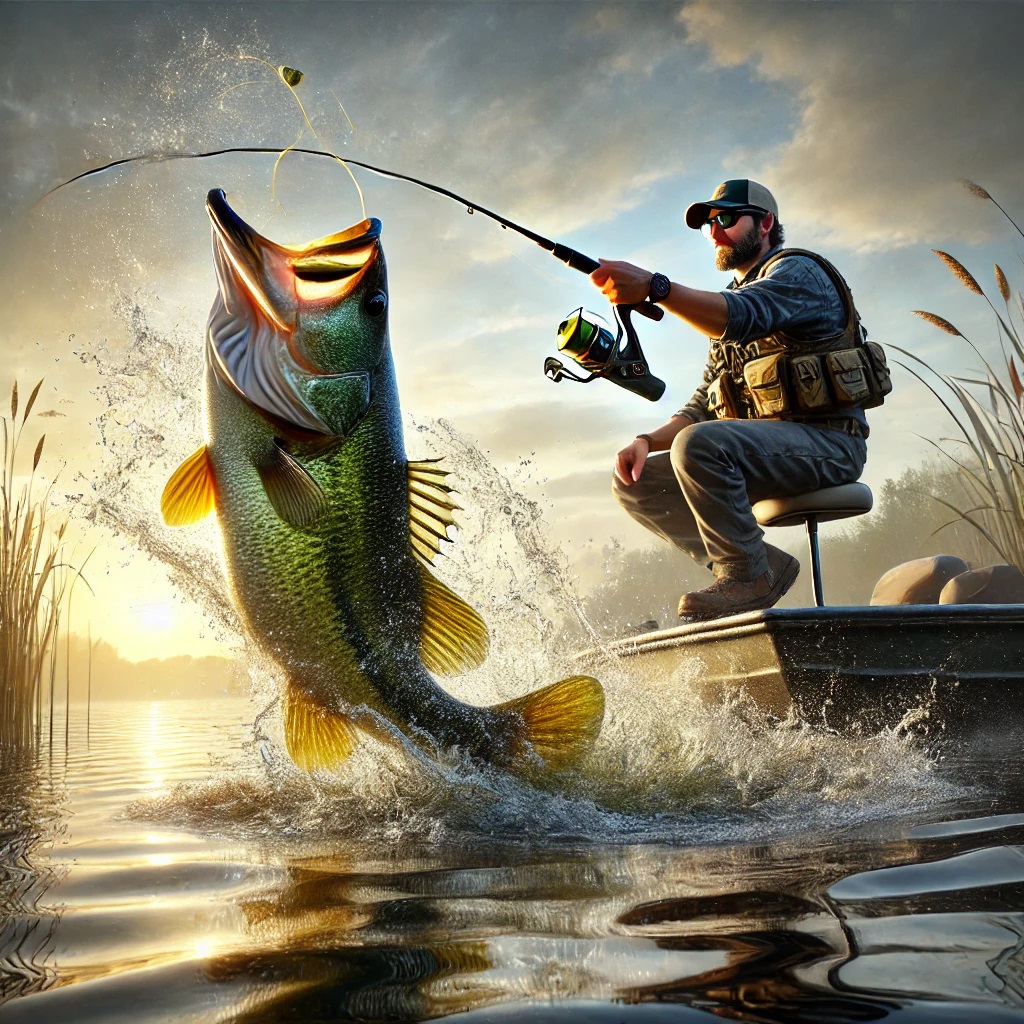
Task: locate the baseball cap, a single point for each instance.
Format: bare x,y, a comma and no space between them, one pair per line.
735,194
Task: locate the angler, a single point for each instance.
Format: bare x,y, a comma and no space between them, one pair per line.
780,411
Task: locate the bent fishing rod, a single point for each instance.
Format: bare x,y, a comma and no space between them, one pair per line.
584,336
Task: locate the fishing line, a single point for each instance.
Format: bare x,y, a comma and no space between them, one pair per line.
571,257
291,77
586,338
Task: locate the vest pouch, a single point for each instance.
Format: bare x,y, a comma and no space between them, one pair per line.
765,378
880,380
722,403
807,380
849,376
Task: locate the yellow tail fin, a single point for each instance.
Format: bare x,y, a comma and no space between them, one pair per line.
316,737
562,720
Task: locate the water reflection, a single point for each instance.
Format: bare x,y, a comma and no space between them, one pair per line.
229,901
419,942
28,820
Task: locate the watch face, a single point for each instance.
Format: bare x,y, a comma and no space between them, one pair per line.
660,287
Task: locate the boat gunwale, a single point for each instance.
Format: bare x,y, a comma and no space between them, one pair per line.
774,620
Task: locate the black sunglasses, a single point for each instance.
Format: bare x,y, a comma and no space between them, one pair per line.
727,218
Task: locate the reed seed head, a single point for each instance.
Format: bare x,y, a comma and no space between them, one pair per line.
1004,285
31,401
975,190
959,271
14,400
937,321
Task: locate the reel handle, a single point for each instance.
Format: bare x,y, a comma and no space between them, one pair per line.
630,370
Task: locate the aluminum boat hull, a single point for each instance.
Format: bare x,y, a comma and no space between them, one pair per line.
958,667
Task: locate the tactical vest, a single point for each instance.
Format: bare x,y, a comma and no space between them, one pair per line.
780,377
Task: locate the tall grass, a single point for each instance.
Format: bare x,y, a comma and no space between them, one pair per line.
988,411
35,587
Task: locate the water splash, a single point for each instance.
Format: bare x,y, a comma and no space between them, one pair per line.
667,765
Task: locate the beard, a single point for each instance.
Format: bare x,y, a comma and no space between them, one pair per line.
744,252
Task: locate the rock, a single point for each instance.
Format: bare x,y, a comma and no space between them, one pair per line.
995,584
918,582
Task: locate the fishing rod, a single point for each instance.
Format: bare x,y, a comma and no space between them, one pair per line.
585,337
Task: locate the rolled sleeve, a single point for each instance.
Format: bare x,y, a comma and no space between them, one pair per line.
796,297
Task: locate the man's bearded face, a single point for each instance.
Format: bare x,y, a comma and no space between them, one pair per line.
742,252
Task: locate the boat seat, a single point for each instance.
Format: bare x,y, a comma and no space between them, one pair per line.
810,509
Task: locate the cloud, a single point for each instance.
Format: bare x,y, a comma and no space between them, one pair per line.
896,102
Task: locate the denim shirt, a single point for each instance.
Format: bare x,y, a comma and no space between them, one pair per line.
795,297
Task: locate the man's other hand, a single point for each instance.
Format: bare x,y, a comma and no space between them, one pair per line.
629,463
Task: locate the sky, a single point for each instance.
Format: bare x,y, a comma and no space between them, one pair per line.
593,124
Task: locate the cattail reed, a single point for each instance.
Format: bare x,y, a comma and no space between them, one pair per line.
959,271
992,429
937,321
34,579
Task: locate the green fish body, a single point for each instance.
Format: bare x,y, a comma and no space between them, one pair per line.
328,531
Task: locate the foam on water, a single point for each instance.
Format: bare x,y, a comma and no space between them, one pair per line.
666,767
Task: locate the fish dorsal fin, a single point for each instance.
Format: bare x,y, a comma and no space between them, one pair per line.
190,495
561,721
295,495
430,509
316,737
453,637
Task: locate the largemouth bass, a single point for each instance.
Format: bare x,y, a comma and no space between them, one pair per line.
328,531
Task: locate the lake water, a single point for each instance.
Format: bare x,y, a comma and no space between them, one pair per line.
173,866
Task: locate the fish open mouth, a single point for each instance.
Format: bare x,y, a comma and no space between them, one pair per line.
253,334
276,277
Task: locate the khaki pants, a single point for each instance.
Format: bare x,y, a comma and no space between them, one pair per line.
698,495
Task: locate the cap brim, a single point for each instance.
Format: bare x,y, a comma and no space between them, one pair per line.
698,213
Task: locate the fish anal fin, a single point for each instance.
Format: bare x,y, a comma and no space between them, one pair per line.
317,738
453,637
561,721
295,495
430,509
191,493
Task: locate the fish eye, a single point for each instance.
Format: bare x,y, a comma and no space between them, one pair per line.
376,303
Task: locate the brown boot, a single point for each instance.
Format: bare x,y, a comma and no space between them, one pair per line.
727,596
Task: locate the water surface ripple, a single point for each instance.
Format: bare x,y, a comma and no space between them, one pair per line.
174,867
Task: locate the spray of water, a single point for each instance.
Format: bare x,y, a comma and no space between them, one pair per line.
666,766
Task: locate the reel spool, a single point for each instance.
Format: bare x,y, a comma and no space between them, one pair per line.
587,339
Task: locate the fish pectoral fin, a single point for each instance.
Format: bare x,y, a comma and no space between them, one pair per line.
191,493
453,637
317,737
430,509
295,495
561,721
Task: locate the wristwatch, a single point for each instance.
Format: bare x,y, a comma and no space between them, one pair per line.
659,288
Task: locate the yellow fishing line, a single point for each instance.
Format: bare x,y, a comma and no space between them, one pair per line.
238,85
296,76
